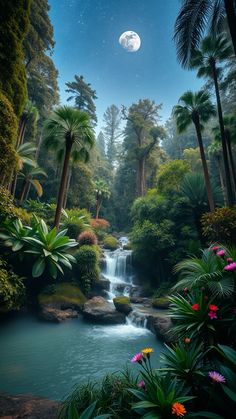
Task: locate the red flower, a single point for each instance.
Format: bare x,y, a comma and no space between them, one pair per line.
195,306
213,307
215,248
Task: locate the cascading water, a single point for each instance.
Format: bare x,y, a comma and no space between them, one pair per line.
118,270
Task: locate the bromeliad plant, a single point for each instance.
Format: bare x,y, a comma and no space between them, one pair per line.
197,316
48,248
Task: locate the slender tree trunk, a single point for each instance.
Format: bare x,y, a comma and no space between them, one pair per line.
98,207
62,187
196,122
23,191
222,135
231,19
231,159
221,178
67,187
141,176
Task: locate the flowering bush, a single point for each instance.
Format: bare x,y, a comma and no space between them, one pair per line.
87,237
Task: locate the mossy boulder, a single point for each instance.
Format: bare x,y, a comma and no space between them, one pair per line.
122,304
160,302
110,242
61,295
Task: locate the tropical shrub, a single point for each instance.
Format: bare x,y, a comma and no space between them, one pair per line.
100,226
75,221
48,249
220,225
12,289
87,237
7,207
199,316
86,269
209,271
110,242
111,395
62,293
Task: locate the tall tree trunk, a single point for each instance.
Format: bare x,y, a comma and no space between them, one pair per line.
196,122
67,187
23,190
98,207
62,187
231,159
231,19
141,176
221,178
222,135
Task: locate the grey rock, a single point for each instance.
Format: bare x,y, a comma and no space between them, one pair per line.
27,406
99,310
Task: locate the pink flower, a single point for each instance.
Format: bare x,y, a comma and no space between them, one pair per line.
221,253
230,267
216,376
186,290
137,358
229,260
215,248
212,315
141,384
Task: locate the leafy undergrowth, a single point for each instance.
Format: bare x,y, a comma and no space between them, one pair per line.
62,293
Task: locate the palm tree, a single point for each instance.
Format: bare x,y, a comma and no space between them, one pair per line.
25,153
213,50
29,177
196,108
102,191
68,128
193,19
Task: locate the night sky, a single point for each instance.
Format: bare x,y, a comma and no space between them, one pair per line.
87,43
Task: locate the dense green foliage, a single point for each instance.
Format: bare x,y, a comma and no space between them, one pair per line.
220,226
8,133
110,242
86,269
12,289
14,23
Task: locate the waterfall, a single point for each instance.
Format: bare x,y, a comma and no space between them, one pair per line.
137,318
118,270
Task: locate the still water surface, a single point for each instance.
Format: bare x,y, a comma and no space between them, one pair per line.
49,359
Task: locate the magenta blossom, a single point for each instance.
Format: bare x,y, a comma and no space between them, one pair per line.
216,376
229,260
230,267
220,252
137,358
141,384
212,315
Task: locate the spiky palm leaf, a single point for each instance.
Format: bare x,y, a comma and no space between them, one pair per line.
192,20
208,272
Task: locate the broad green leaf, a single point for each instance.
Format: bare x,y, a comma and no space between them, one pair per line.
38,268
230,393
229,353
145,404
72,411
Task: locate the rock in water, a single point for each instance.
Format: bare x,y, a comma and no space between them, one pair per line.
27,406
99,310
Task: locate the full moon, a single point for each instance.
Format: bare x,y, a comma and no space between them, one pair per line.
130,41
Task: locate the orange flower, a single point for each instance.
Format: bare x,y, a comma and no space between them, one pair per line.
178,409
187,340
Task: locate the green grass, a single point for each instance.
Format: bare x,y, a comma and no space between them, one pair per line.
63,293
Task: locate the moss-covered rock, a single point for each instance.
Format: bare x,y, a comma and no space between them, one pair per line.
122,304
160,302
110,242
61,294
